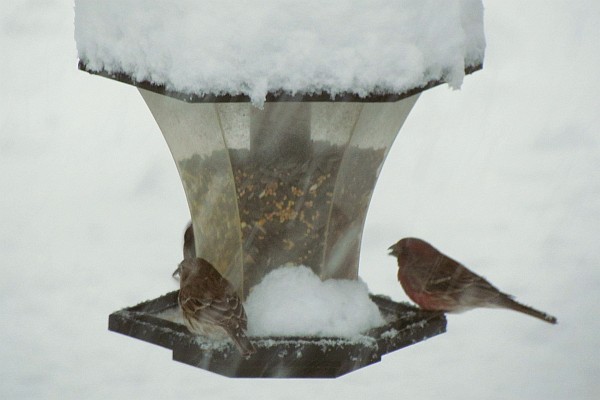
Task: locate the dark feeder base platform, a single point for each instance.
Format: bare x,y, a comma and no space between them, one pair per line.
279,357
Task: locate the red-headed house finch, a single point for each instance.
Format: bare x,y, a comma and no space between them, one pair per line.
206,298
438,283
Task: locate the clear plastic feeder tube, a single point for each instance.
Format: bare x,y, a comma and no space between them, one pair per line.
286,184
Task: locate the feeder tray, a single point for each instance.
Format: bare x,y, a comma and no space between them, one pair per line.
279,357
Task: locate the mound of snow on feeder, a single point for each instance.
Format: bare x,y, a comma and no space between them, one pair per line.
255,47
293,301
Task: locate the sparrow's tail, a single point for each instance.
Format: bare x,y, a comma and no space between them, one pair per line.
241,341
507,302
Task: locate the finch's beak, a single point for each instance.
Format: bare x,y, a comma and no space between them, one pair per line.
391,249
176,273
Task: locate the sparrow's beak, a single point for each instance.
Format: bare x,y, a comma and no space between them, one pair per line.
176,273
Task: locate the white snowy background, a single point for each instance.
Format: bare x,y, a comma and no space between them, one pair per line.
503,175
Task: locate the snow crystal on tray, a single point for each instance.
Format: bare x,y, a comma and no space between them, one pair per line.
293,301
260,46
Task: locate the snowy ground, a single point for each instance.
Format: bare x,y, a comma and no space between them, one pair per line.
503,175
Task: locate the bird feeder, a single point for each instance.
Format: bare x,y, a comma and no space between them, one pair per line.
285,181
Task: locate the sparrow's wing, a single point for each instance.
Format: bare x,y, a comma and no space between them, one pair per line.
206,297
226,311
210,297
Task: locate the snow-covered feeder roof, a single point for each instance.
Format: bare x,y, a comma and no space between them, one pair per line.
257,50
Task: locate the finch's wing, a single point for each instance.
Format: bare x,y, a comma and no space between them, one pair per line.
461,288
452,279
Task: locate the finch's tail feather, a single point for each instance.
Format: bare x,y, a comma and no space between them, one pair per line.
508,302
